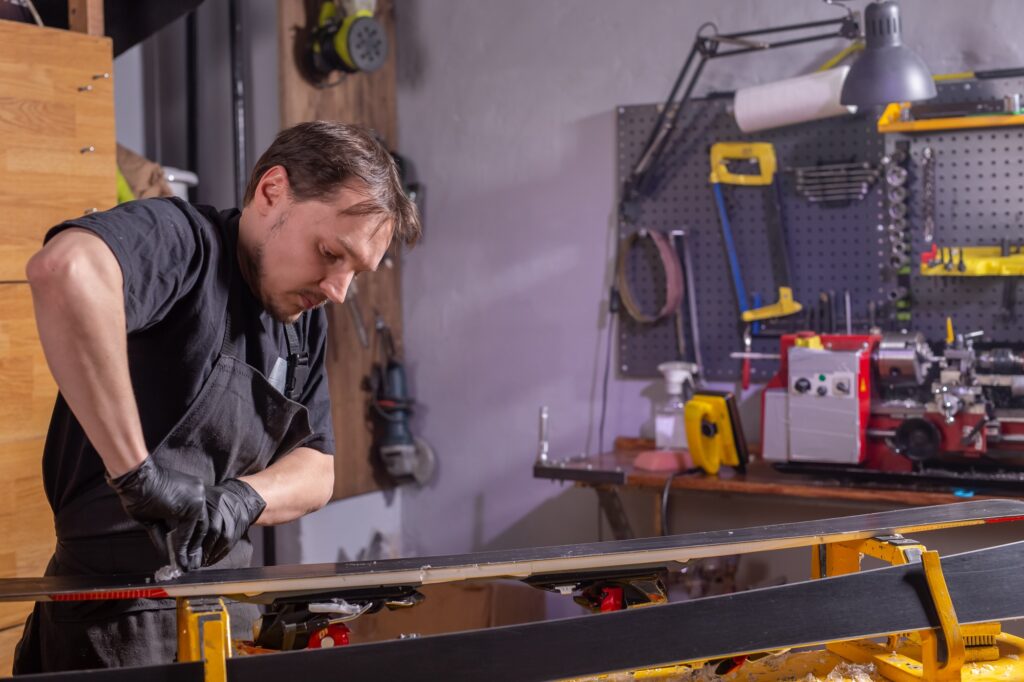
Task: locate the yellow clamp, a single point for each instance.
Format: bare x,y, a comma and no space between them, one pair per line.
891,664
709,433
784,306
840,558
956,654
722,152
204,634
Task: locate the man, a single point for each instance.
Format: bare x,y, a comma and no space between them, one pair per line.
212,412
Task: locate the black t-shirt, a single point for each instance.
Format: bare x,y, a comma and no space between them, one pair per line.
176,271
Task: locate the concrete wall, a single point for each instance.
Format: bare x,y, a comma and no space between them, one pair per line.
508,111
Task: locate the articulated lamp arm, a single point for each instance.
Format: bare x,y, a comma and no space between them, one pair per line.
707,47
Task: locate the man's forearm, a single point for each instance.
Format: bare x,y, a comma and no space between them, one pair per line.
79,304
299,483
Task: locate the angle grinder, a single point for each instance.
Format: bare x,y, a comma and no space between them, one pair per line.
403,455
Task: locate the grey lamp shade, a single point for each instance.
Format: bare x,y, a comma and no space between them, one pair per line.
886,71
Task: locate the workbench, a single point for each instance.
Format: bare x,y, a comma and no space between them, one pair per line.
611,472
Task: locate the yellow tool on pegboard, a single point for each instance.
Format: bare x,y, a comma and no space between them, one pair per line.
763,153
714,435
895,120
724,152
973,261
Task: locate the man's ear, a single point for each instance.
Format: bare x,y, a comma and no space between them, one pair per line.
272,189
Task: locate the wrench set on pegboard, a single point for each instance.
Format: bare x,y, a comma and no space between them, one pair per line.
858,208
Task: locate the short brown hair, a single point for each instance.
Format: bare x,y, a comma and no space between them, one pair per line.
321,157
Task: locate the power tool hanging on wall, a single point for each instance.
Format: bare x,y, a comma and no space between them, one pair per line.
403,455
347,38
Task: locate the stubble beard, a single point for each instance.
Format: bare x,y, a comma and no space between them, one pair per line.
255,268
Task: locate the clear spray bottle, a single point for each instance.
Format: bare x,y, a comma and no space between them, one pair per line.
669,426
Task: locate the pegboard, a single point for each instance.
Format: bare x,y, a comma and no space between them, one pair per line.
979,200
833,247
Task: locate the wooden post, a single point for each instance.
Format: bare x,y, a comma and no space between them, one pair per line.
86,16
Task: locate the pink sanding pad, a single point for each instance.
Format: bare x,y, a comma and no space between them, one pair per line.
662,460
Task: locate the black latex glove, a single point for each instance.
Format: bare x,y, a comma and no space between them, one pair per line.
166,501
232,507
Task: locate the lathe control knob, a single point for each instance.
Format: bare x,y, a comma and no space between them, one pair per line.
802,385
822,391
842,387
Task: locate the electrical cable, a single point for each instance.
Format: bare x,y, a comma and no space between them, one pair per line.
331,84
613,308
664,494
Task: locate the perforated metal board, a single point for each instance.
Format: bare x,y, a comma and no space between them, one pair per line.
831,247
979,200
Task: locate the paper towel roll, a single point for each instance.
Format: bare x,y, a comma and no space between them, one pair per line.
794,100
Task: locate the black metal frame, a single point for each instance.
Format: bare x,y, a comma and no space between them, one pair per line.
707,47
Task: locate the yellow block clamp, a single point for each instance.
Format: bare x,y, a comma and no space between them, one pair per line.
784,306
713,434
913,656
204,634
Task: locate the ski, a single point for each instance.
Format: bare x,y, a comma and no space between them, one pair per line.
341,580
985,585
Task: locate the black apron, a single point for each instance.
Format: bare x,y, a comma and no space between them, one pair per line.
236,425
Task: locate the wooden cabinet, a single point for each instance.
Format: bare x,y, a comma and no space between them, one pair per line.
57,143
57,161
26,522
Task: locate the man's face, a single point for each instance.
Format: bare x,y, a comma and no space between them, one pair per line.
310,253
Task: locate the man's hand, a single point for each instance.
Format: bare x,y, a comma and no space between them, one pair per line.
232,507
164,500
